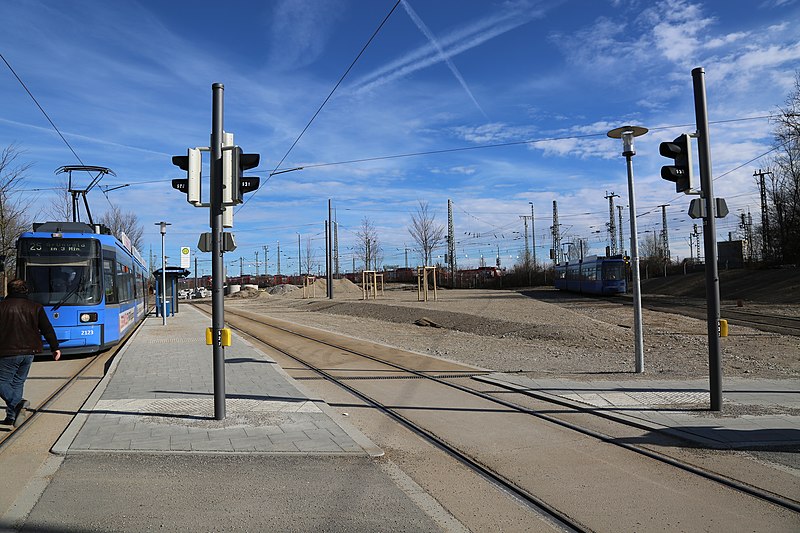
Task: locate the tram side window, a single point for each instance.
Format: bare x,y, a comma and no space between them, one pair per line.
590,273
108,281
139,285
124,283
573,272
613,271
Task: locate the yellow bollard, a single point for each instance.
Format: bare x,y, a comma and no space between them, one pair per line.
723,327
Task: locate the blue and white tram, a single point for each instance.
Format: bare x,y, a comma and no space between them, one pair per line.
593,275
93,287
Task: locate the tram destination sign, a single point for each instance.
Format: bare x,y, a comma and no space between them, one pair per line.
57,247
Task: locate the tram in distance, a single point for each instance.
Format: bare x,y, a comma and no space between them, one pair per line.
94,287
593,275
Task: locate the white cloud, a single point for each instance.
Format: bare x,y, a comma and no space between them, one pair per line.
452,44
299,32
725,40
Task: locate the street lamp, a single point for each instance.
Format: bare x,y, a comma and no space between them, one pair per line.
627,134
163,227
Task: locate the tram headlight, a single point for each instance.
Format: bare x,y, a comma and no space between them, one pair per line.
88,317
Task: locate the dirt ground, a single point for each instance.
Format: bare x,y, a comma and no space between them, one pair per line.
540,332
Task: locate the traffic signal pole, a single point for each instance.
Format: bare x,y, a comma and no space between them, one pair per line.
709,239
217,264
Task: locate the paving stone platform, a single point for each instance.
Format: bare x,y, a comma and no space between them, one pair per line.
158,396
755,412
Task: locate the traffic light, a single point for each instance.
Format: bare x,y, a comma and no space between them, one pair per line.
242,184
191,163
681,172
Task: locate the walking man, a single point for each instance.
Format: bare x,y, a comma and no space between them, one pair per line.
23,322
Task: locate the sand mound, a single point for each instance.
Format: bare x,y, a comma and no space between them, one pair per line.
246,293
342,288
280,290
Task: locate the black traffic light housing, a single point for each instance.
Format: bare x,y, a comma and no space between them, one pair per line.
242,184
191,163
680,150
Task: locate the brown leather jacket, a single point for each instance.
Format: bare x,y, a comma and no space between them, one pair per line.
22,324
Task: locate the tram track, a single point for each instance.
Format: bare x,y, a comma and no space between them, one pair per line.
767,322
87,370
478,464
784,325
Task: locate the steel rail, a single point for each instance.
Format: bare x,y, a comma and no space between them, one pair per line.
56,394
552,514
717,478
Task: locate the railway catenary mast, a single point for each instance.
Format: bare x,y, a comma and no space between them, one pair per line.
664,233
766,245
697,242
527,260
533,237
621,237
335,245
556,235
451,243
612,230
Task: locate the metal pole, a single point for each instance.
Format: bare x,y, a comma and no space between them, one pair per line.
533,237
709,239
217,264
627,134
163,277
163,229
637,292
329,251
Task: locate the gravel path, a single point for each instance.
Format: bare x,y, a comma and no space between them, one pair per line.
538,332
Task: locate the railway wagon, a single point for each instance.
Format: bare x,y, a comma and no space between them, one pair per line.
94,287
593,275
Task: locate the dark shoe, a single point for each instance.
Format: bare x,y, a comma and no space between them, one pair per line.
7,422
20,410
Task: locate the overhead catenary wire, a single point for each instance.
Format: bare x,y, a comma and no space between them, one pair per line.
505,144
35,101
341,79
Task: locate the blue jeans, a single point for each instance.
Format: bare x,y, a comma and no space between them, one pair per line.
13,373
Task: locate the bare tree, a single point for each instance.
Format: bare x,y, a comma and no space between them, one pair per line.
783,191
310,258
577,249
368,247
426,233
14,210
119,221
60,208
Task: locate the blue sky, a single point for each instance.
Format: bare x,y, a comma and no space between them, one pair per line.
128,84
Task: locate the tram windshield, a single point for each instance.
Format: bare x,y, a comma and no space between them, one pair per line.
61,272
613,271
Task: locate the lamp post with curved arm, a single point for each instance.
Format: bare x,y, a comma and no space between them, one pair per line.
627,133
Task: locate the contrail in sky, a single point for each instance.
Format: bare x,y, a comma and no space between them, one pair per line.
429,34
